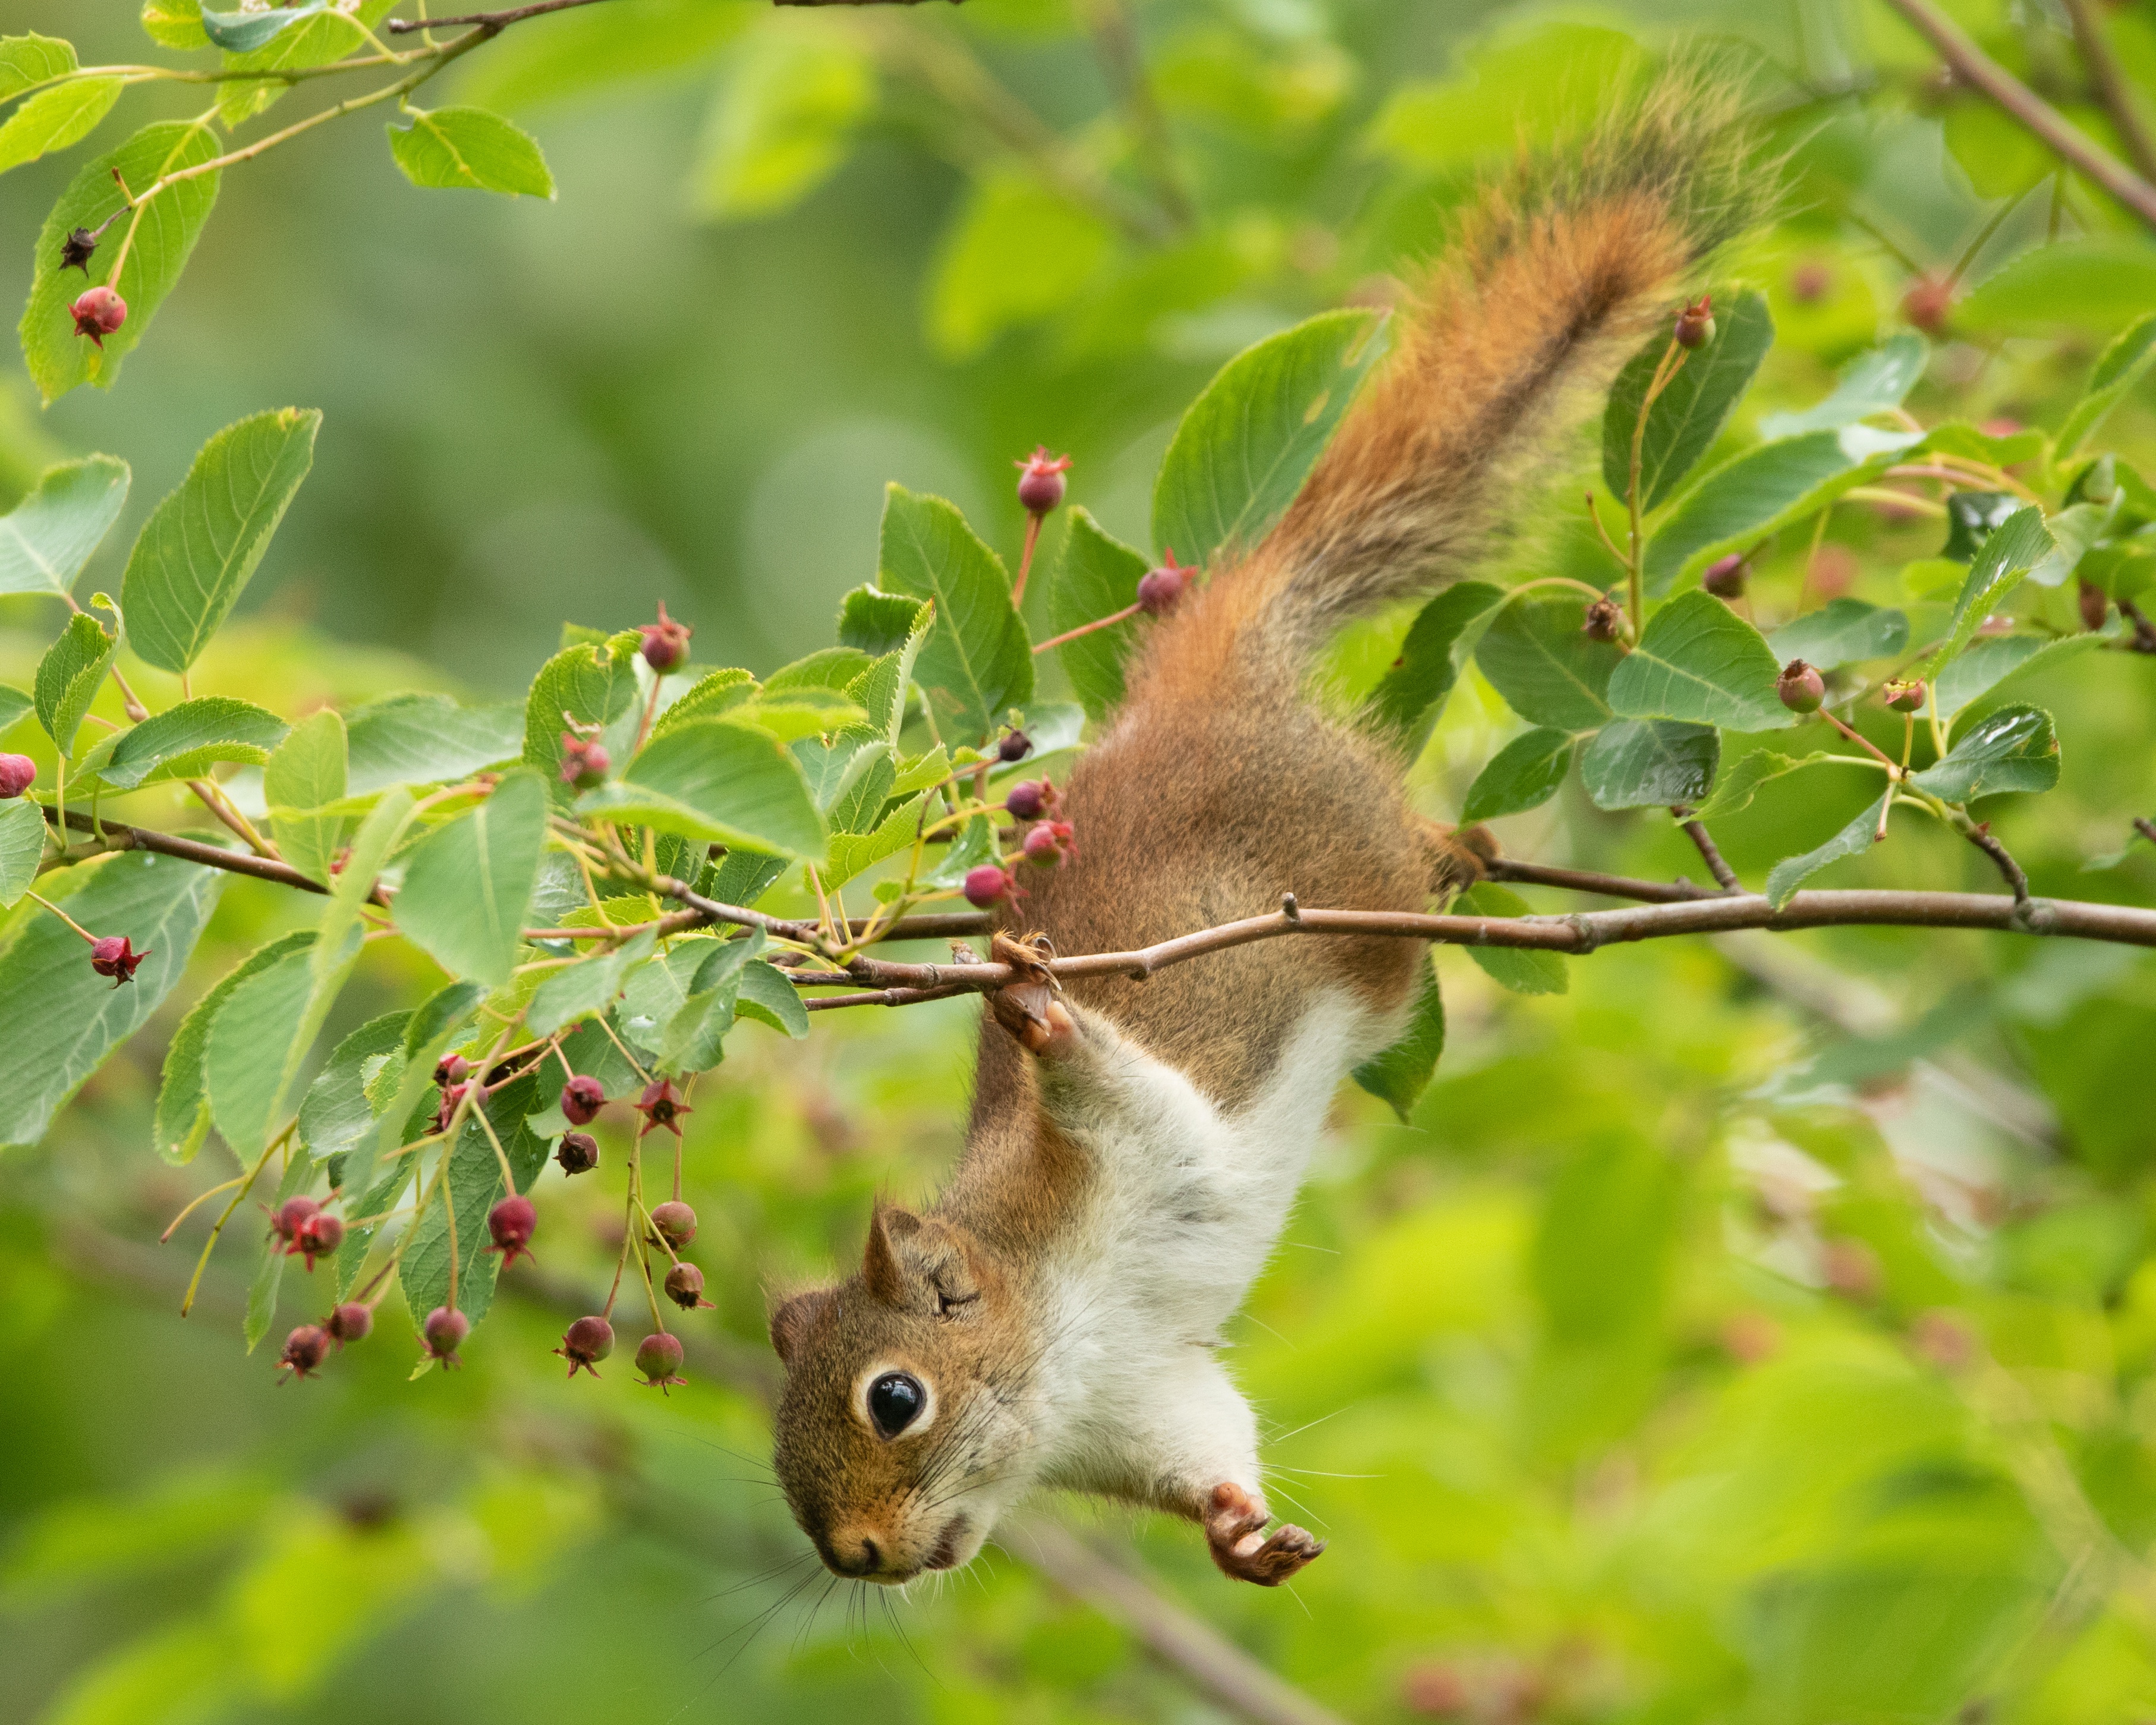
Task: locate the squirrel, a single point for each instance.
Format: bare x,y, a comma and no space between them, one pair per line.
1054,1319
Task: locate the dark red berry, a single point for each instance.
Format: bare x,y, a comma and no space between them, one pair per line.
304,1350
1803,690
584,759
581,1099
1927,302
676,1224
685,1287
290,1218
77,249
444,1332
18,773
1604,621
1695,324
1028,798
352,1321
321,1234
1725,576
1050,844
666,642
98,313
511,1223
588,1341
114,958
451,1069
989,885
1015,746
2094,603
1040,480
1905,694
1160,589
579,1153
658,1357
662,1105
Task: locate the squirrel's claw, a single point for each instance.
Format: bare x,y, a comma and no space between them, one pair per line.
1027,1006
1234,1532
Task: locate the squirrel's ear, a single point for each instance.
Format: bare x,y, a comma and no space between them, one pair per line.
790,1323
883,1266
915,1263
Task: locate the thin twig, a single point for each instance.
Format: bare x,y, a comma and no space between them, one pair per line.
1724,876
2111,86
116,837
491,22
1981,837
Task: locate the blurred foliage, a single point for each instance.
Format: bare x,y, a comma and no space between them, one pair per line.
1758,1331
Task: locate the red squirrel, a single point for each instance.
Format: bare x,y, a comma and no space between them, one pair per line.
1053,1320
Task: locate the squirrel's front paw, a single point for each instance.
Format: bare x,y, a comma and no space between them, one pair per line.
1234,1531
1027,1006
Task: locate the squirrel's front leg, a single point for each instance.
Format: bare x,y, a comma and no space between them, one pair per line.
1208,1471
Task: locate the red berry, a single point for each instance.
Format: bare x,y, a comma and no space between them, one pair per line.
444,1330
321,1234
2094,603
114,958
1028,798
588,1341
1927,303
579,1153
18,773
1049,845
511,1223
451,1069
685,1287
290,1218
1160,589
1604,621
662,1105
445,1111
1803,690
581,1099
666,642
988,885
1905,694
98,313
676,1224
304,1349
1040,480
1695,324
584,760
658,1357
352,1321
1851,1269
1725,576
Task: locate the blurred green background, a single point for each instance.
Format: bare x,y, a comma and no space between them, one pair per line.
1763,1330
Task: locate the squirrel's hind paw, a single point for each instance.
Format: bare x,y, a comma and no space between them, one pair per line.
1027,1006
1234,1532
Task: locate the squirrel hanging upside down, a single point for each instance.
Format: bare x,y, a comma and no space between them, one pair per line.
1053,1320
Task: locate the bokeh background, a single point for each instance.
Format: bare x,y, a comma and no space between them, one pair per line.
1758,1331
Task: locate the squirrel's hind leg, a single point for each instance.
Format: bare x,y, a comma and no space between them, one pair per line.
1458,856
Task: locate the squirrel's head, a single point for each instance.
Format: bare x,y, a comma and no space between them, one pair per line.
898,1427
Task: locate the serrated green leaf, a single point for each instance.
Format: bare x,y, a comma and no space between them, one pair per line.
858,806
335,1113
471,150
1522,775
32,59
719,782
2014,749
881,690
203,543
1409,698
1647,763
850,853
1535,655
429,739
877,622
1987,664
742,876
183,742
2075,531
1841,632
1524,970
1873,382
53,119
165,234
174,23
306,774
2007,557
1402,1072
592,684
2121,366
22,848
241,1091
709,697
579,990
70,676
766,996
1734,790
468,883
13,703
1690,413
48,536
691,1039
976,663
327,34
474,1185
1700,662
1097,577
1786,877
784,121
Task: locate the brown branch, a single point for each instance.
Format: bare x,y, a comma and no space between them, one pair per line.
1725,876
2111,86
1981,837
1982,73
1654,892
116,837
491,22
2144,632
2145,827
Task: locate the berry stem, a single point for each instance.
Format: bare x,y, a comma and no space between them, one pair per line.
209,1246
1025,560
1086,629
196,1203
64,916
1671,362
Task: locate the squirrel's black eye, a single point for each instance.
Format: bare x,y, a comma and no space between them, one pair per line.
895,1402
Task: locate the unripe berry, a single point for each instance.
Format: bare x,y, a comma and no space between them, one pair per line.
1015,747
658,1357
1161,588
1803,690
588,1341
988,885
676,1224
666,642
1851,1269
1604,621
114,958
584,760
685,1287
1040,480
1049,845
1026,800
444,1332
581,1099
579,1153
1695,324
1905,694
451,1069
511,1223
1725,576
304,1350
321,1234
1927,303
352,1321
98,313
18,773
2094,603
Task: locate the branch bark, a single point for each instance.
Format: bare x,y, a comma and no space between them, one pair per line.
2112,89
117,837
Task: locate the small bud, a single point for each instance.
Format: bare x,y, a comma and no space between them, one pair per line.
451,1069
584,760
581,1099
319,1235
1905,694
1049,845
1927,303
1725,576
666,642
989,885
1015,747
1803,690
1604,622
662,1105
77,249
113,957
676,1224
1811,283
579,1153
2094,603
1695,324
685,1288
304,1350
1161,588
1040,480
658,1357
18,773
290,1218
352,1321
98,313
444,1332
511,1223
588,1341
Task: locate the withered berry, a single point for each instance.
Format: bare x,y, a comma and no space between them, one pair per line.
1040,480
1050,844
1803,690
1725,576
584,760
579,1153
511,1223
1695,324
989,885
77,249
666,642
304,1350
1604,621
1015,746
582,1098
114,958
444,1332
2094,603
676,1224
18,773
1905,694
662,1105
588,1341
321,1234
685,1287
1159,589
98,313
658,1357
352,1321
451,1069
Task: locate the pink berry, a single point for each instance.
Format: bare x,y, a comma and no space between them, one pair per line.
685,1287
98,313
1040,481
352,1321
1725,576
445,1330
511,1223
1803,690
1161,589
290,1218
451,1069
1049,845
658,1357
581,1099
988,885
1905,694
321,1233
304,1350
1028,798
18,773
676,1223
584,760
1695,324
666,642
579,1153
588,1341
1927,302
114,958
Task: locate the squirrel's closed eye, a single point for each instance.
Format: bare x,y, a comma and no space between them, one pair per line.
895,1400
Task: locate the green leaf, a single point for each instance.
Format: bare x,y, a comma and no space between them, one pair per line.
692,1036
1402,1072
1647,763
850,853
428,1033
1787,875
165,234
1873,382
1734,790
327,34
876,623
1097,577
976,663
1988,663
766,995
244,32
1522,775
721,782
590,684
881,689
1247,444
468,884
13,703
371,846
784,119
22,848
1522,969
50,534
2092,284
336,1114
429,739
974,294
742,876
1690,413
29,59
2007,557
52,119
203,543
226,1062
174,23
1972,518
58,1018
70,676
710,697
579,990
470,149
1842,632
474,1185
1409,698
2014,749
183,742
1536,655
308,772
1701,662
2121,366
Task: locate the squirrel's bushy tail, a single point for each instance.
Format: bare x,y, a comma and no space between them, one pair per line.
1555,273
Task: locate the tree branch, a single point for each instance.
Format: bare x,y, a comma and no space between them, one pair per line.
1724,876
491,22
111,835
1982,73
2111,86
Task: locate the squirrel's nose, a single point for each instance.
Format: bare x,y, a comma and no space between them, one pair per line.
855,1551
